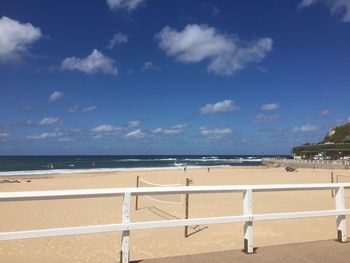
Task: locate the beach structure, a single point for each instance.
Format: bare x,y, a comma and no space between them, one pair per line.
334,146
177,199
247,218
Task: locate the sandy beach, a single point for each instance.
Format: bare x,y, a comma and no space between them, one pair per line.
26,215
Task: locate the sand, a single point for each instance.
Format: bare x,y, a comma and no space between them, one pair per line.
26,215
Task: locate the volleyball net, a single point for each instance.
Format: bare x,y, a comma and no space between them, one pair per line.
168,200
175,199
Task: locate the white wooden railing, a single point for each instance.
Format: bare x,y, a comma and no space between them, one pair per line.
248,216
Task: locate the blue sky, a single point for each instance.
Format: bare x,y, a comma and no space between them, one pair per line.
171,77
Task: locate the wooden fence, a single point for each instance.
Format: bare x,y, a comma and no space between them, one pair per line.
248,217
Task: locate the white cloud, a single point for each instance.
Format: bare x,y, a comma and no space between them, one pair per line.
148,65
56,95
15,38
325,113
129,5
49,121
66,140
336,7
221,106
76,108
306,128
90,108
263,118
45,135
270,106
173,130
133,124
306,3
103,128
226,54
117,39
4,135
137,134
94,63
215,133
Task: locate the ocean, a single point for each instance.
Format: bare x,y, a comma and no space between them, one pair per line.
38,165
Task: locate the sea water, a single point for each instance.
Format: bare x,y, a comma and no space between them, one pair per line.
35,165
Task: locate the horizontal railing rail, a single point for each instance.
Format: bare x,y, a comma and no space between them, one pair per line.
248,216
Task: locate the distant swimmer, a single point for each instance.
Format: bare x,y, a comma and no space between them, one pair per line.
93,164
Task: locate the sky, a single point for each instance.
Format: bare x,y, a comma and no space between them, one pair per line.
171,77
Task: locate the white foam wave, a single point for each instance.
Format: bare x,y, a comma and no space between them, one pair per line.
95,170
145,160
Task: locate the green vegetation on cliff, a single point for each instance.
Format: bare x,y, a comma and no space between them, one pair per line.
340,134
335,145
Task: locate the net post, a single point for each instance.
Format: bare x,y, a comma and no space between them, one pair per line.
341,219
187,200
125,244
248,225
137,196
332,181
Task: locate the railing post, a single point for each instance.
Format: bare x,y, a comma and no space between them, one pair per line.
332,181
137,197
124,253
248,225
341,219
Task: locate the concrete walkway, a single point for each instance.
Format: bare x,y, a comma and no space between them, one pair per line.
317,252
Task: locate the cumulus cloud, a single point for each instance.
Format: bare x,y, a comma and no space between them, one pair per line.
173,130
76,108
270,106
128,5
133,124
306,128
15,38
96,62
103,128
45,135
221,106
49,121
215,133
137,134
264,118
226,54
117,39
56,95
336,7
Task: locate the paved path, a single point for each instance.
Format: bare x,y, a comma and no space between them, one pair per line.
313,252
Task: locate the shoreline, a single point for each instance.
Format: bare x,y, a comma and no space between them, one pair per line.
12,174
